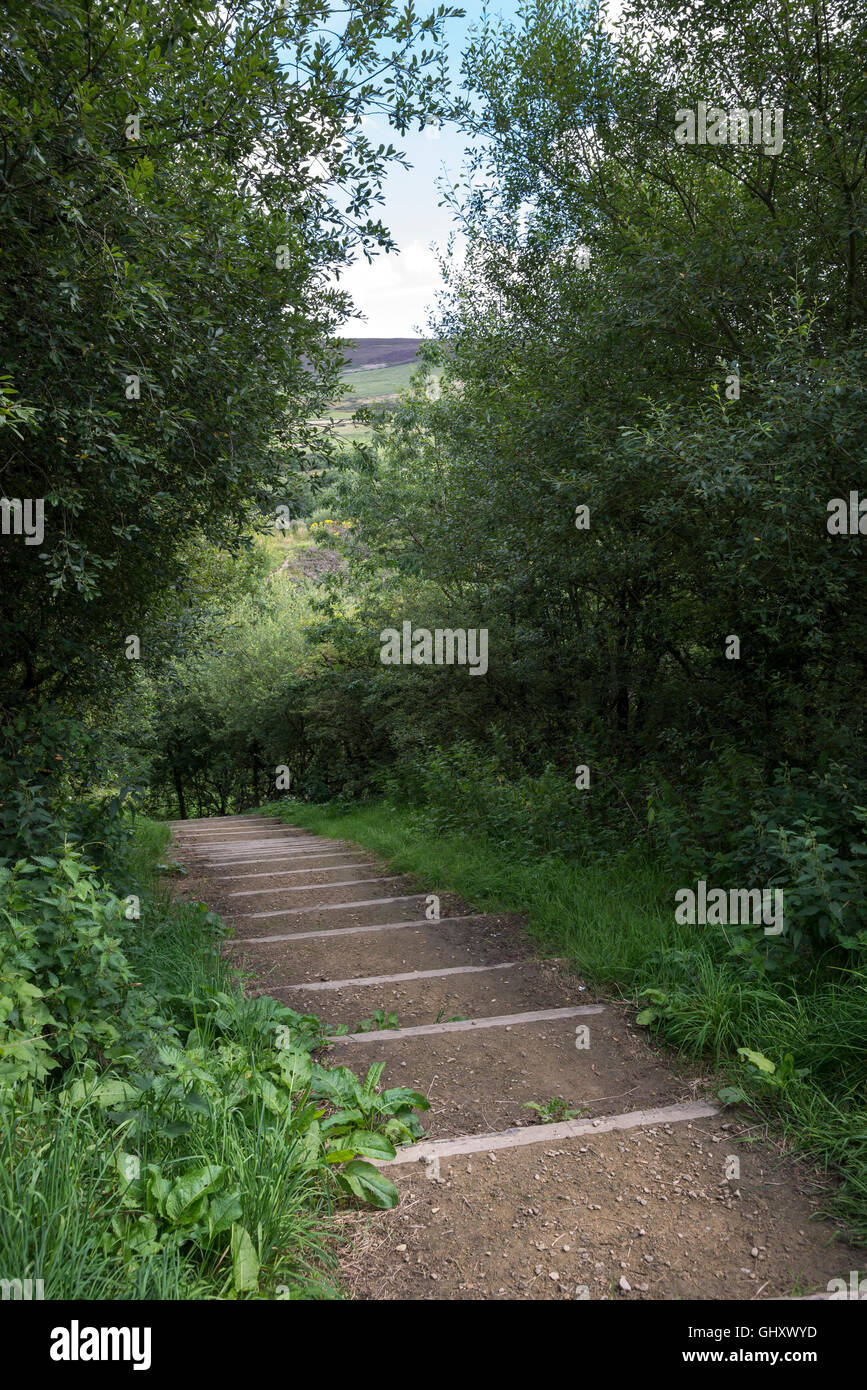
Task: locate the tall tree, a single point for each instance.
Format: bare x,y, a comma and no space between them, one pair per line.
180,184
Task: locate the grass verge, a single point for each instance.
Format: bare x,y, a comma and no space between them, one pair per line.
201,1148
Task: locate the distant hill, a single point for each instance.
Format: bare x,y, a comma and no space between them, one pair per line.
364,353
376,371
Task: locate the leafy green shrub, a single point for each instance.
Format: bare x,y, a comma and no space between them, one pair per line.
803,832
49,766
468,785
62,968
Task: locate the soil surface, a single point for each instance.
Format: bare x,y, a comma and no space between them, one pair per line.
647,1214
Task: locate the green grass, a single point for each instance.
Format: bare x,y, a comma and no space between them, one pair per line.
378,383
58,1200
613,920
148,848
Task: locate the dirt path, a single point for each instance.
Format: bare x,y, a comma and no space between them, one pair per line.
633,1197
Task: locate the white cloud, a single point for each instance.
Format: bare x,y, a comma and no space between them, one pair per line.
394,292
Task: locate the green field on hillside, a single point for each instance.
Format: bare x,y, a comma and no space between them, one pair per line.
378,383
373,387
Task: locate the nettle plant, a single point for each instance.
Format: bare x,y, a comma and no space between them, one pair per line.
66,987
809,839
800,832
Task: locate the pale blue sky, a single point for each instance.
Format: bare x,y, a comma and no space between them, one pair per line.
395,290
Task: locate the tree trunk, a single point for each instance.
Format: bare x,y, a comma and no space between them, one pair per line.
179,793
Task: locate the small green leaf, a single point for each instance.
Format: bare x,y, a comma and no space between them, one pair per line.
758,1059
223,1210
732,1095
188,1189
367,1183
245,1261
194,1100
